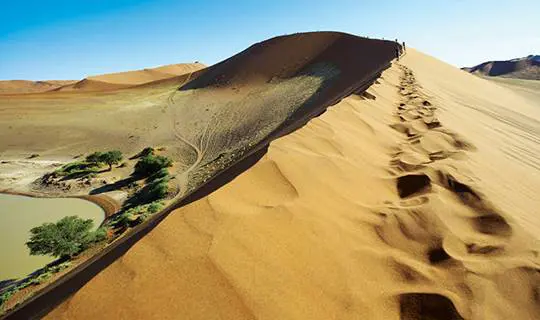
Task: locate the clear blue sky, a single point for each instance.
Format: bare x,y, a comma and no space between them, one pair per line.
72,39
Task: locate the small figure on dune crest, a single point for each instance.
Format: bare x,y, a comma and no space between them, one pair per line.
398,49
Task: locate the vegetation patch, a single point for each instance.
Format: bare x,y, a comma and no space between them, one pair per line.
69,237
135,215
36,278
150,164
110,158
77,169
65,238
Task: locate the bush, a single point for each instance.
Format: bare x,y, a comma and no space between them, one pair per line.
100,234
155,207
157,189
63,239
151,164
94,157
124,219
160,174
77,169
6,295
145,152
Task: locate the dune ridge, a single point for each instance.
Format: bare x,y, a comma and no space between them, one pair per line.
27,86
391,205
104,82
520,68
126,79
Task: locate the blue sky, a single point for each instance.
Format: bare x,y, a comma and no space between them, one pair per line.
72,39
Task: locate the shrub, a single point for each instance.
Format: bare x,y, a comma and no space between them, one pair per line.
155,207
145,152
94,157
151,164
63,239
100,234
124,219
157,189
77,168
6,295
160,174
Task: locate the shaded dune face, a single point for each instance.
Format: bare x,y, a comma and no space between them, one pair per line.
266,91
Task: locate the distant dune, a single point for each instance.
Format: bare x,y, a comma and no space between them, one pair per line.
119,80
26,86
415,200
521,68
104,82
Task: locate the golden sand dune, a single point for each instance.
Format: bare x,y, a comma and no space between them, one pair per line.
104,82
120,80
419,202
148,75
26,86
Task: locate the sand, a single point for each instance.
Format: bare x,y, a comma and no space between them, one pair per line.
530,89
100,83
419,202
26,86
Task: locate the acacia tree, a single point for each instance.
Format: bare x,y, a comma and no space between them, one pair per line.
63,239
111,157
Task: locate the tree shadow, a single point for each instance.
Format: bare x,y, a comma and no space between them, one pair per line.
116,185
6,284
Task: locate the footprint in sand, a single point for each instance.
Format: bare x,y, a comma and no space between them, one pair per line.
414,306
413,184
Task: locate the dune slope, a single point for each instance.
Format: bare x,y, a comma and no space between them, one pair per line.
265,91
415,201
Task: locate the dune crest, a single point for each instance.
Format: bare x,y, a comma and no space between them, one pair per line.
121,80
409,202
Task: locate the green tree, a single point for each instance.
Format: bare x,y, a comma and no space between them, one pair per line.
111,157
63,239
151,164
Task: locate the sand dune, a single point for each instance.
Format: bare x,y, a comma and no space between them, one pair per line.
520,68
104,82
148,75
26,86
417,200
120,80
